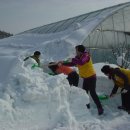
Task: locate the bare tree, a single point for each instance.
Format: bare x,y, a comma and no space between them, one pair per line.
121,52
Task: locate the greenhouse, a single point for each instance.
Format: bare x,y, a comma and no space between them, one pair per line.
105,33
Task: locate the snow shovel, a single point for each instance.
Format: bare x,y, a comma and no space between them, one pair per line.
34,66
103,97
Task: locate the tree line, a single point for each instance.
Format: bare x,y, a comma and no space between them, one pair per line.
4,34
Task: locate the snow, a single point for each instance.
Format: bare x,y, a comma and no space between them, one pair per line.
31,99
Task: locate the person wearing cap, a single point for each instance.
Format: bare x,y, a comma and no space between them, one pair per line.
86,71
72,75
35,57
121,79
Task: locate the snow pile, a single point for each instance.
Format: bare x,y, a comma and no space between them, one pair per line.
59,102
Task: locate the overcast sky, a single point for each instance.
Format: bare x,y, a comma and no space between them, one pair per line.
20,15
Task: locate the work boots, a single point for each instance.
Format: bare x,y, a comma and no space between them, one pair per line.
100,111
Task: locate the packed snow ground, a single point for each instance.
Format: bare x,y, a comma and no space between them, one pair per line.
30,99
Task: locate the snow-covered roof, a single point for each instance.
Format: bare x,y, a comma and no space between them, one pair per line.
115,18
100,31
99,15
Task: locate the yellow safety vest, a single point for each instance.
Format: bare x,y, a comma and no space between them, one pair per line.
86,70
119,81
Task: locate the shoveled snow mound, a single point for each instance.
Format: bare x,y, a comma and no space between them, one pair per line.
28,90
7,63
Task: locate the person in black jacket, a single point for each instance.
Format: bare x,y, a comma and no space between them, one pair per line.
35,56
121,79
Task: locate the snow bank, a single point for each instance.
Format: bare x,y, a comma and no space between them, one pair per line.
7,63
59,103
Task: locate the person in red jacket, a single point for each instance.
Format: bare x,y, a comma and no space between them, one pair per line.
86,71
72,75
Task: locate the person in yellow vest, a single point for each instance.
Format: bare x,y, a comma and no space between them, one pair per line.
121,79
86,71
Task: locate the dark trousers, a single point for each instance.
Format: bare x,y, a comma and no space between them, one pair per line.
73,78
125,97
89,84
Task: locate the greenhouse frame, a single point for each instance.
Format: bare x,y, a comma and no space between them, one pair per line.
106,32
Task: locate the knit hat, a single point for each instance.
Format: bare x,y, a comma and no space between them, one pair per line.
105,69
37,53
80,48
